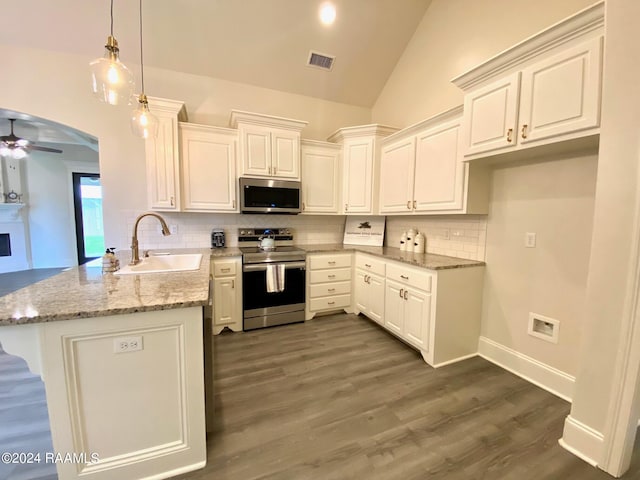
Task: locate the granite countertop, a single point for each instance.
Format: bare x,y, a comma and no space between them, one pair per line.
424,260
225,252
84,292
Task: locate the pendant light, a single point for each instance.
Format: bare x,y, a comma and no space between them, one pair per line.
111,80
143,123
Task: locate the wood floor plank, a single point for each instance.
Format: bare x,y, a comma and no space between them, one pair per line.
340,398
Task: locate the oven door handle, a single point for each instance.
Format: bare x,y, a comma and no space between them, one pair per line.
262,267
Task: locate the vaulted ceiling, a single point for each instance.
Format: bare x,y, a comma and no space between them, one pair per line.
259,42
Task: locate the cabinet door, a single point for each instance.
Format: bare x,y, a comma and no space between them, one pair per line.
561,94
394,307
439,170
255,150
396,174
224,300
285,154
417,315
208,170
490,115
162,160
320,180
358,175
361,292
376,298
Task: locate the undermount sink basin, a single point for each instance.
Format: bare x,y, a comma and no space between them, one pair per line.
164,263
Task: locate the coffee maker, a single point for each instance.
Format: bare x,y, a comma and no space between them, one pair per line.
217,238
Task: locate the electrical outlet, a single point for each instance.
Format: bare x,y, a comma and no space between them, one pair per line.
544,328
173,229
457,233
127,344
530,240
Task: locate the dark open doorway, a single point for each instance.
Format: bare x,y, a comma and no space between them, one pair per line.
87,202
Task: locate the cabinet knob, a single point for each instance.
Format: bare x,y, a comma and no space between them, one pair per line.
303,206
524,130
408,204
401,293
346,207
233,284
332,262
331,276
331,303
415,204
406,295
331,289
172,202
404,277
367,265
275,170
510,135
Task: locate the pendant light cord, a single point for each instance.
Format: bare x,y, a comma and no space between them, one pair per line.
112,18
141,56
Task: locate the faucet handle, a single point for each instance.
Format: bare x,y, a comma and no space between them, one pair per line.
146,253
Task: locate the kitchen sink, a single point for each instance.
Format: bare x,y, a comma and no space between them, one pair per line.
163,263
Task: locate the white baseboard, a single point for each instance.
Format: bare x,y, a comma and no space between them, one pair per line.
551,379
583,441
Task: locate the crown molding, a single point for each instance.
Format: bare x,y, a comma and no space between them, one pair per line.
240,117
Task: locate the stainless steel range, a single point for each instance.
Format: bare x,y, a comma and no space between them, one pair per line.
273,277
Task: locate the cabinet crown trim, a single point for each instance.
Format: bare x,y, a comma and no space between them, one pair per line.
195,127
435,121
586,21
361,130
318,143
165,105
240,117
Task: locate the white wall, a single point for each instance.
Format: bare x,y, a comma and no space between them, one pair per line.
50,203
553,198
60,92
453,37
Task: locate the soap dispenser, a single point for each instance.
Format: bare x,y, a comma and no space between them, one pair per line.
109,261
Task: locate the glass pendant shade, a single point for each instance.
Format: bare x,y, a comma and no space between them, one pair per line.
143,123
111,80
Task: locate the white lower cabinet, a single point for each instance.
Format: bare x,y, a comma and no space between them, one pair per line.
227,294
435,311
328,283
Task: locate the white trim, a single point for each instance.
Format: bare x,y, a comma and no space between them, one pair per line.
455,360
544,376
583,441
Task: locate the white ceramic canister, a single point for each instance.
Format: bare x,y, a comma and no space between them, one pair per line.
403,241
411,236
420,243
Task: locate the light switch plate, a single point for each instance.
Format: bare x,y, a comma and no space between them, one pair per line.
530,240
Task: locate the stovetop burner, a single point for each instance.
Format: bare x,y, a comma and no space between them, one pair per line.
284,251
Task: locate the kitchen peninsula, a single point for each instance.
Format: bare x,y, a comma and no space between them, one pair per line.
121,357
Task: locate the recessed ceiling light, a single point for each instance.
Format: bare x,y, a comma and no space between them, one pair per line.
327,13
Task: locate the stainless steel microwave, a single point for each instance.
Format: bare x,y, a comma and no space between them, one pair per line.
259,195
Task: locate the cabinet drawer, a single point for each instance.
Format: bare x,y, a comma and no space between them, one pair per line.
370,264
221,269
326,289
319,262
420,279
328,303
337,275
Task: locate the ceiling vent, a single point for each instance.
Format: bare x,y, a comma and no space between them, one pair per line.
320,60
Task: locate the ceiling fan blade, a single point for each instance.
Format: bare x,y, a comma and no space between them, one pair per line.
44,149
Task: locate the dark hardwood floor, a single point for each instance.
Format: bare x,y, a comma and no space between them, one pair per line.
339,398
24,420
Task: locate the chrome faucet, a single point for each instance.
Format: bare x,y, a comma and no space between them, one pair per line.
135,255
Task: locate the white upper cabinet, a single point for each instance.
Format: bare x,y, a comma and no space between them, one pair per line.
162,155
268,146
320,162
422,170
544,90
361,166
208,168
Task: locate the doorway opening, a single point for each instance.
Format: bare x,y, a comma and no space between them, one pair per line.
87,202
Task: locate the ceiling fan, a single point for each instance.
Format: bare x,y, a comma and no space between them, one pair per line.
13,146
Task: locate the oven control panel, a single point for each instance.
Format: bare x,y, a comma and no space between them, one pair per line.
254,234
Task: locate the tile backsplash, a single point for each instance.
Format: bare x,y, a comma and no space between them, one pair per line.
457,236
452,235
194,229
